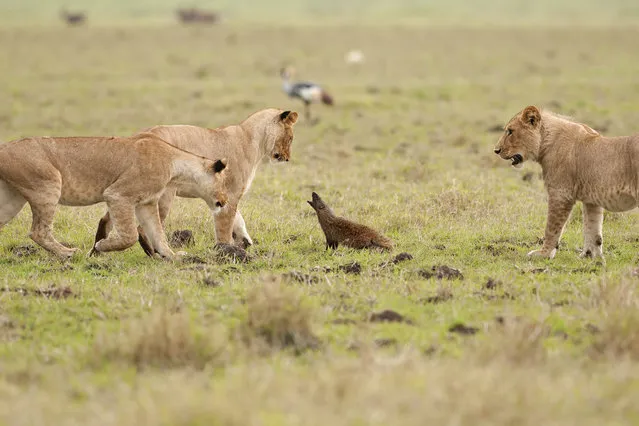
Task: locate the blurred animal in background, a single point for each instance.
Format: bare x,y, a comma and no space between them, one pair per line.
73,18
197,16
354,57
306,91
339,230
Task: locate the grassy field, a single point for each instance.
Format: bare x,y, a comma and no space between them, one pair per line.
288,338
316,12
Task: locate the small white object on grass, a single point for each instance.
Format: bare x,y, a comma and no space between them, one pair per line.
354,57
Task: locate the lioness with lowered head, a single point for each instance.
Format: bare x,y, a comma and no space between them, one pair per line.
578,164
129,174
267,133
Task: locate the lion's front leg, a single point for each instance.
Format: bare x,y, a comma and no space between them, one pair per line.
224,224
149,219
240,234
593,224
224,221
559,208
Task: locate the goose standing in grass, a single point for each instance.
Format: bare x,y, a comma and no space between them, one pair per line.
306,91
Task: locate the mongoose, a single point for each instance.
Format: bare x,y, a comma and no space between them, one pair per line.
340,230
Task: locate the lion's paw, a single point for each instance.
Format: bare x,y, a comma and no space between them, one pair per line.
543,253
593,252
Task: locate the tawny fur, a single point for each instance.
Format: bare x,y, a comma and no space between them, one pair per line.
129,174
267,133
578,164
339,230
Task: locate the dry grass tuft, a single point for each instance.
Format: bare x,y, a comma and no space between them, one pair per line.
515,341
277,318
453,202
617,337
162,339
612,295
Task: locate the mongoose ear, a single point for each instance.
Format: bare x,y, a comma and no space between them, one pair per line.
531,115
219,165
310,203
289,117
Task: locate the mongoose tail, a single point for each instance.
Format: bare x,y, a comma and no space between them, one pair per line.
383,242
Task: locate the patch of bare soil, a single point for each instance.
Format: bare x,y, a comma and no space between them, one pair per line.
211,282
182,238
388,315
489,289
301,277
489,295
534,271
402,257
232,252
344,321
461,328
351,268
443,294
24,250
98,267
492,284
497,249
591,328
385,342
51,292
196,260
291,239
441,272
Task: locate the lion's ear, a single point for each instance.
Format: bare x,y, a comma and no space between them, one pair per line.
289,117
531,115
219,165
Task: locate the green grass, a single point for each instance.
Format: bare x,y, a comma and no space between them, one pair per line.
407,149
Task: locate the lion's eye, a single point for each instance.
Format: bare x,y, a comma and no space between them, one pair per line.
509,132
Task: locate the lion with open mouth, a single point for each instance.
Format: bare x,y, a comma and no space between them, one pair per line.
578,164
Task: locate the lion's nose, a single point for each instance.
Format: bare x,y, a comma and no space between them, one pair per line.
220,204
497,150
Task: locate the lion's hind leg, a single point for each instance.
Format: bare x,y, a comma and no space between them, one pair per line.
43,206
593,224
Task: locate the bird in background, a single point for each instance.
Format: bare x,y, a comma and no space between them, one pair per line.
305,90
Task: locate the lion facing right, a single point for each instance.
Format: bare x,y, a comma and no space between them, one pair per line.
578,164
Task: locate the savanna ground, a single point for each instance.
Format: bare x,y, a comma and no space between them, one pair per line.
288,338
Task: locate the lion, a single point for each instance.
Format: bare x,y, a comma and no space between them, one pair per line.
267,133
578,164
129,174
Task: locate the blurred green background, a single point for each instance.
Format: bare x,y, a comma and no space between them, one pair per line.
319,12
